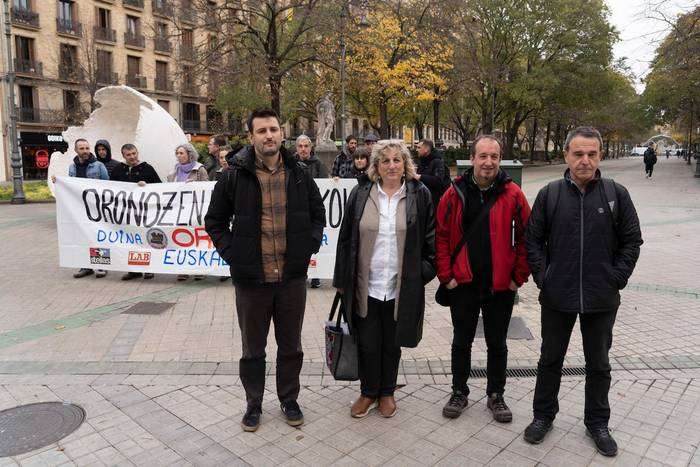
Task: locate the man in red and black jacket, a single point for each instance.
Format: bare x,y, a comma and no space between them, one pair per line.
482,271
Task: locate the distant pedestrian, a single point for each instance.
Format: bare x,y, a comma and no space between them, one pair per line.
187,169
432,170
278,220
132,170
582,240
342,165
649,160
103,151
360,164
86,165
384,258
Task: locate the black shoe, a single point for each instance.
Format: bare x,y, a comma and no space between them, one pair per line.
456,405
148,275
83,272
251,419
292,412
604,442
315,283
131,275
537,430
499,409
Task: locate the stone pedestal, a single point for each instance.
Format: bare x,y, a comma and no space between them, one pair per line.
326,153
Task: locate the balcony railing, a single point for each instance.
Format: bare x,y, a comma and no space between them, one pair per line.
46,116
162,44
133,3
70,27
107,78
190,89
134,40
162,84
70,73
105,34
163,8
187,53
28,67
137,81
188,15
25,17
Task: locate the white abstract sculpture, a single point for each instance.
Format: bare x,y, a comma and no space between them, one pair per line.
125,116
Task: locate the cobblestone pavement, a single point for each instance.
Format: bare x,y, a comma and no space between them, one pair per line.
163,389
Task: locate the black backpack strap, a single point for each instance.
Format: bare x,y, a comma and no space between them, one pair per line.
485,209
610,194
553,190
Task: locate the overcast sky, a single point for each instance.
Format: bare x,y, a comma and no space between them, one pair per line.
640,33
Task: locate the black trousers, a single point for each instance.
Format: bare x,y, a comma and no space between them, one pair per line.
649,169
257,305
497,308
379,355
596,331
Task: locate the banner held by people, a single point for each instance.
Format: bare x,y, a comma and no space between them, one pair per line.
159,228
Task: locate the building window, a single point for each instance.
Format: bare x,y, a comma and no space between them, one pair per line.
24,48
65,11
165,105
190,116
103,20
22,4
187,39
132,25
26,97
71,102
104,67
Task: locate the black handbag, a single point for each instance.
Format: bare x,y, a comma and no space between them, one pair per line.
341,347
442,294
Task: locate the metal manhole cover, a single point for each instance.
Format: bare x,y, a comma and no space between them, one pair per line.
148,308
33,426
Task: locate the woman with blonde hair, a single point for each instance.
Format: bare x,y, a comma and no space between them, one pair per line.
187,169
384,258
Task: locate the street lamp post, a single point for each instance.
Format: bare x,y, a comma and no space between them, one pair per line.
343,20
16,158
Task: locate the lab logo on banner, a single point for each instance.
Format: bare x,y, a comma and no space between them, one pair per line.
156,238
100,256
139,258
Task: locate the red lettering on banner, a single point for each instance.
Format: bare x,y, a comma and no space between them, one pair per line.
185,238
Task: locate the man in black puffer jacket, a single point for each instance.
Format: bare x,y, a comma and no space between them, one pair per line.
431,170
583,240
266,219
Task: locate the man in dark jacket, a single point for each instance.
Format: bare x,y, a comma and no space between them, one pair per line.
431,170
482,271
650,160
103,151
583,242
342,165
132,170
266,219
212,163
304,153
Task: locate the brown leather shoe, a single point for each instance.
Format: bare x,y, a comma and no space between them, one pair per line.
387,406
362,406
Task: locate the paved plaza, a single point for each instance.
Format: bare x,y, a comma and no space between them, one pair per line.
163,389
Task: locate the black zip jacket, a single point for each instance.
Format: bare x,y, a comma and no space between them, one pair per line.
110,164
432,173
579,259
144,172
233,218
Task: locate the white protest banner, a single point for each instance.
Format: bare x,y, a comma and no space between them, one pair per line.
159,228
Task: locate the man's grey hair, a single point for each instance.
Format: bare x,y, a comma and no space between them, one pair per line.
128,147
381,149
191,151
585,132
301,138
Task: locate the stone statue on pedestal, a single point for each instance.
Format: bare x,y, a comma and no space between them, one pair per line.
325,114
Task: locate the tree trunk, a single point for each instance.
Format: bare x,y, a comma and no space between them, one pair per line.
690,133
275,102
534,139
606,154
383,119
419,130
436,118
546,141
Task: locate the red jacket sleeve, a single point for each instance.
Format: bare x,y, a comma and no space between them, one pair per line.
522,270
442,236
